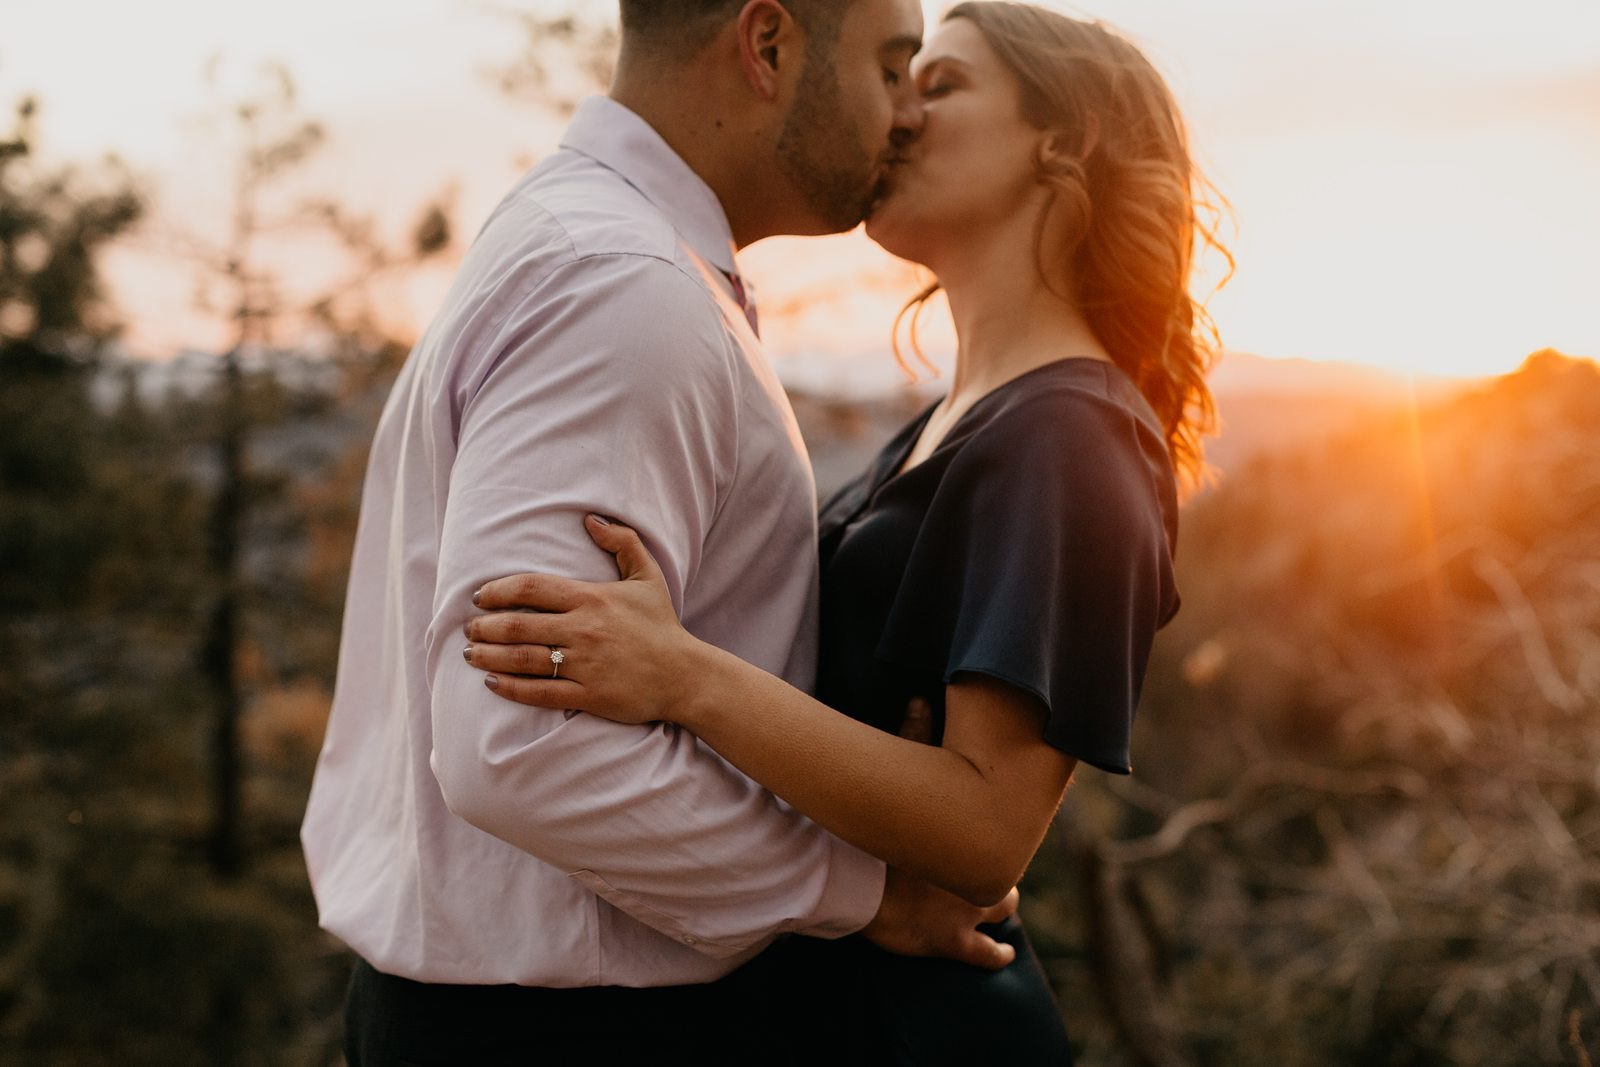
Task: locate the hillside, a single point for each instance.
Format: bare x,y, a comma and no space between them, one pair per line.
1272,404
1365,815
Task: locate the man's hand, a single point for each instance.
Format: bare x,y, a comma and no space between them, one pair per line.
918,724
917,919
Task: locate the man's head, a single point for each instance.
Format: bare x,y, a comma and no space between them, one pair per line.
677,30
806,96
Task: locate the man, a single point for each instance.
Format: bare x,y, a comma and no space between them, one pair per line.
522,883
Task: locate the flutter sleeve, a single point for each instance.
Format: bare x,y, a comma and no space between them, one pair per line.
1045,561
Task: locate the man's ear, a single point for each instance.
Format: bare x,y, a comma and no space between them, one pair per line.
768,38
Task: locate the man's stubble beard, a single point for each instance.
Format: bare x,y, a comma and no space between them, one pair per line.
819,150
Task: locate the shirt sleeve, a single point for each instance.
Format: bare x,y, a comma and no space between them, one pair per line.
1045,562
595,398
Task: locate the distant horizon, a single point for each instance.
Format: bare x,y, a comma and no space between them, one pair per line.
839,376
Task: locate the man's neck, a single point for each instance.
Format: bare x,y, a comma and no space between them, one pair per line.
708,137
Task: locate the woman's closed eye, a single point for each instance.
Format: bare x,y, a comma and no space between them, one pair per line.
936,89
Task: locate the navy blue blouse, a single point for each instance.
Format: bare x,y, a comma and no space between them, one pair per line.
1034,546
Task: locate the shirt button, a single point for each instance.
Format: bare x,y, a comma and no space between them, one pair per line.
690,939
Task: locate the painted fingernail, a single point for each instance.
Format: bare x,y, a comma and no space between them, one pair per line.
466,653
492,682
466,628
601,519
475,597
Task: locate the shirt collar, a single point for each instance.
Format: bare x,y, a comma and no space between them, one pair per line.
620,140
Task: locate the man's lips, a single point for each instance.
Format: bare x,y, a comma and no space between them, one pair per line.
885,182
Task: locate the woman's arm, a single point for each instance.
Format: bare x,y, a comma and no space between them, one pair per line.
966,816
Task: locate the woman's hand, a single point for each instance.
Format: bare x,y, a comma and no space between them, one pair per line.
622,653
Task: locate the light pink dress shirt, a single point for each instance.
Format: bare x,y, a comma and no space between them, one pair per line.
589,357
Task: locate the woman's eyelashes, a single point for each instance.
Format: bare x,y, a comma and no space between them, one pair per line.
934,90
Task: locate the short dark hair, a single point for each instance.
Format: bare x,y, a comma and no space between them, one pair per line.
679,29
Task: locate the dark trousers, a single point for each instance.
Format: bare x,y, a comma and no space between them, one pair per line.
801,1003
395,1022
864,1007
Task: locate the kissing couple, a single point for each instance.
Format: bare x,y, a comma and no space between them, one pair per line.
765,799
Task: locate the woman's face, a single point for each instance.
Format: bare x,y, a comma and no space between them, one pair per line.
972,166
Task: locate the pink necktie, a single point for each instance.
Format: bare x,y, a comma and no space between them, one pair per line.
745,303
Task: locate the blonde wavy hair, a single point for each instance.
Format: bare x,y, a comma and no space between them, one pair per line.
1135,203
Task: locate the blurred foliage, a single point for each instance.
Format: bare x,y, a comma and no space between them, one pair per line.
117,943
1365,822
563,57
239,282
53,320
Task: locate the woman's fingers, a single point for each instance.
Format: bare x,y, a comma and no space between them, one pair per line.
541,592
633,559
532,660
519,628
552,593
619,641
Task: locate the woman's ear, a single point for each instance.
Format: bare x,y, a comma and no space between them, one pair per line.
1061,149
768,38
1051,158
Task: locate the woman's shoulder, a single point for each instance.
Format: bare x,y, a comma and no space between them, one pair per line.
1066,400
1079,417
1068,435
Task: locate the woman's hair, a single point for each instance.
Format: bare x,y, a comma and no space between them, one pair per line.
1135,206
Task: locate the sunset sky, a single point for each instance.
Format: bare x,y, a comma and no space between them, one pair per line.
1416,182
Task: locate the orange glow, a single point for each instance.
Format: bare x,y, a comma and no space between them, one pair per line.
1432,562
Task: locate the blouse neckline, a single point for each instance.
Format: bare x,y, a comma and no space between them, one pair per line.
907,440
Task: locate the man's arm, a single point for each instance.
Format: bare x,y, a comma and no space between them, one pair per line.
614,396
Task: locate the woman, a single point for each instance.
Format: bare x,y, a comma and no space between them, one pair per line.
1005,562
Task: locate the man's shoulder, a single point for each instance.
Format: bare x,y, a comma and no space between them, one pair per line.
580,209
573,273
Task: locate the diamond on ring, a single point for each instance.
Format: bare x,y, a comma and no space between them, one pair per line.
557,658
